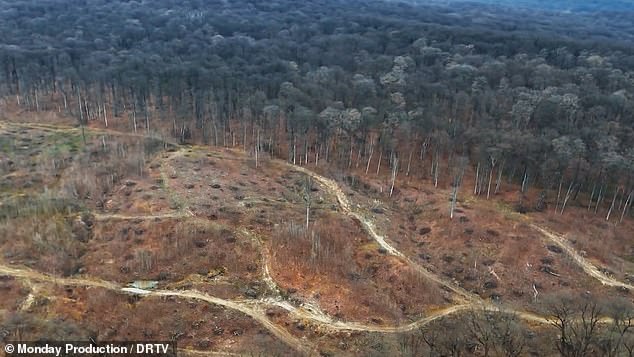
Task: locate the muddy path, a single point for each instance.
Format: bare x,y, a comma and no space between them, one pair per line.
255,313
256,309
582,262
589,268
334,189
253,308
123,217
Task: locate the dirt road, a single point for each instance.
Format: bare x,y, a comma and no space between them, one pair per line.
588,267
344,203
256,308
256,314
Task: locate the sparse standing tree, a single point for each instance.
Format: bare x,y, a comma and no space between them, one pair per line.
308,187
394,172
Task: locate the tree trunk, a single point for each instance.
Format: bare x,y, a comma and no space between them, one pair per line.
394,171
616,193
498,183
81,117
628,202
105,115
134,114
454,196
257,149
568,194
147,116
561,182
524,181
215,132
244,137
599,198
294,149
436,170
475,186
367,167
350,156
490,180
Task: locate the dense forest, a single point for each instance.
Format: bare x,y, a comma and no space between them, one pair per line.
542,98
578,6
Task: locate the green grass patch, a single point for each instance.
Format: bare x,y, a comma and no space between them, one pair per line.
7,143
64,143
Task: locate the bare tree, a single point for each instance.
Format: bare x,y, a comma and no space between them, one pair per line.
394,172
308,187
441,343
412,344
577,320
618,337
496,333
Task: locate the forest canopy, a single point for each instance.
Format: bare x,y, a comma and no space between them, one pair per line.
545,94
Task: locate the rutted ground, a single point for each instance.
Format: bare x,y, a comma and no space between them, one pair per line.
256,308
486,249
269,202
334,188
588,267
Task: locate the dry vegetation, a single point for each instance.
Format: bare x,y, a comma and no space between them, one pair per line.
121,209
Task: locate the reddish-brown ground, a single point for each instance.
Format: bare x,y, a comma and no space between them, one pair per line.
109,316
88,210
13,294
340,268
609,245
487,247
173,250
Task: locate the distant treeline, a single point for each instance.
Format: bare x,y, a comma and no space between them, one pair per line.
539,97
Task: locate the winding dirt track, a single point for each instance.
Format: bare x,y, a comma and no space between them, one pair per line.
256,308
256,314
588,267
123,217
345,205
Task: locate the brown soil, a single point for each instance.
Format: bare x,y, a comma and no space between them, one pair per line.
200,220
486,248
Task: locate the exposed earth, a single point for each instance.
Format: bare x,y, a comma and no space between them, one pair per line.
206,247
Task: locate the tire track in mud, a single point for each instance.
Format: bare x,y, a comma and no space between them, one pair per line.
589,268
344,203
266,272
582,262
122,217
256,314
255,308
